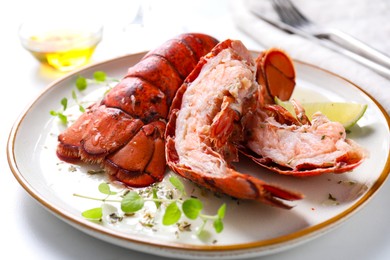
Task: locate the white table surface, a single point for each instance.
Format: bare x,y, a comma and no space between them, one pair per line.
31,232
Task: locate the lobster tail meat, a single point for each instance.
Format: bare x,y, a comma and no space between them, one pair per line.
288,144
301,148
124,132
205,125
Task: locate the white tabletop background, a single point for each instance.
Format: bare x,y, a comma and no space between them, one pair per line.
29,231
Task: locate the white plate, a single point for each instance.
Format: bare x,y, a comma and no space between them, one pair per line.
251,229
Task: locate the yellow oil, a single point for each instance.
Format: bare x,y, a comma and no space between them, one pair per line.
65,60
64,51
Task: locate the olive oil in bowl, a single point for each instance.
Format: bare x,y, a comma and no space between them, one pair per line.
62,48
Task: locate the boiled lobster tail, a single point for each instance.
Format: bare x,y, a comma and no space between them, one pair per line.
124,132
205,126
292,144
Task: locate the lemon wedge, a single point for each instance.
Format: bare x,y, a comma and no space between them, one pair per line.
346,113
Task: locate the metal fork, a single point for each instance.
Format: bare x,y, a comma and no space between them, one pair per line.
290,15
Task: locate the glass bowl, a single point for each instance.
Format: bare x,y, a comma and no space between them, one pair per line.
64,45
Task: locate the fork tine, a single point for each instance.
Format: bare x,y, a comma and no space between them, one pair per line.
292,7
284,14
288,13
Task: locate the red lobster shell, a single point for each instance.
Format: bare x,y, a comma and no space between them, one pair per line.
125,131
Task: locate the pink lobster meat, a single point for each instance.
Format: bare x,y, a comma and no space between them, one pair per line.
283,143
205,125
226,104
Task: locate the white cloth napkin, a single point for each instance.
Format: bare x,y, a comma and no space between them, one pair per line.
367,20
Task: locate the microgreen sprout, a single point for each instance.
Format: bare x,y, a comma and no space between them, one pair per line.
81,84
132,201
60,114
93,214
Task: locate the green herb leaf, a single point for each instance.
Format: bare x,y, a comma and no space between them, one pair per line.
81,83
177,184
93,214
64,103
81,109
221,211
158,203
53,113
132,202
63,118
218,225
192,207
74,96
99,76
105,189
172,214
